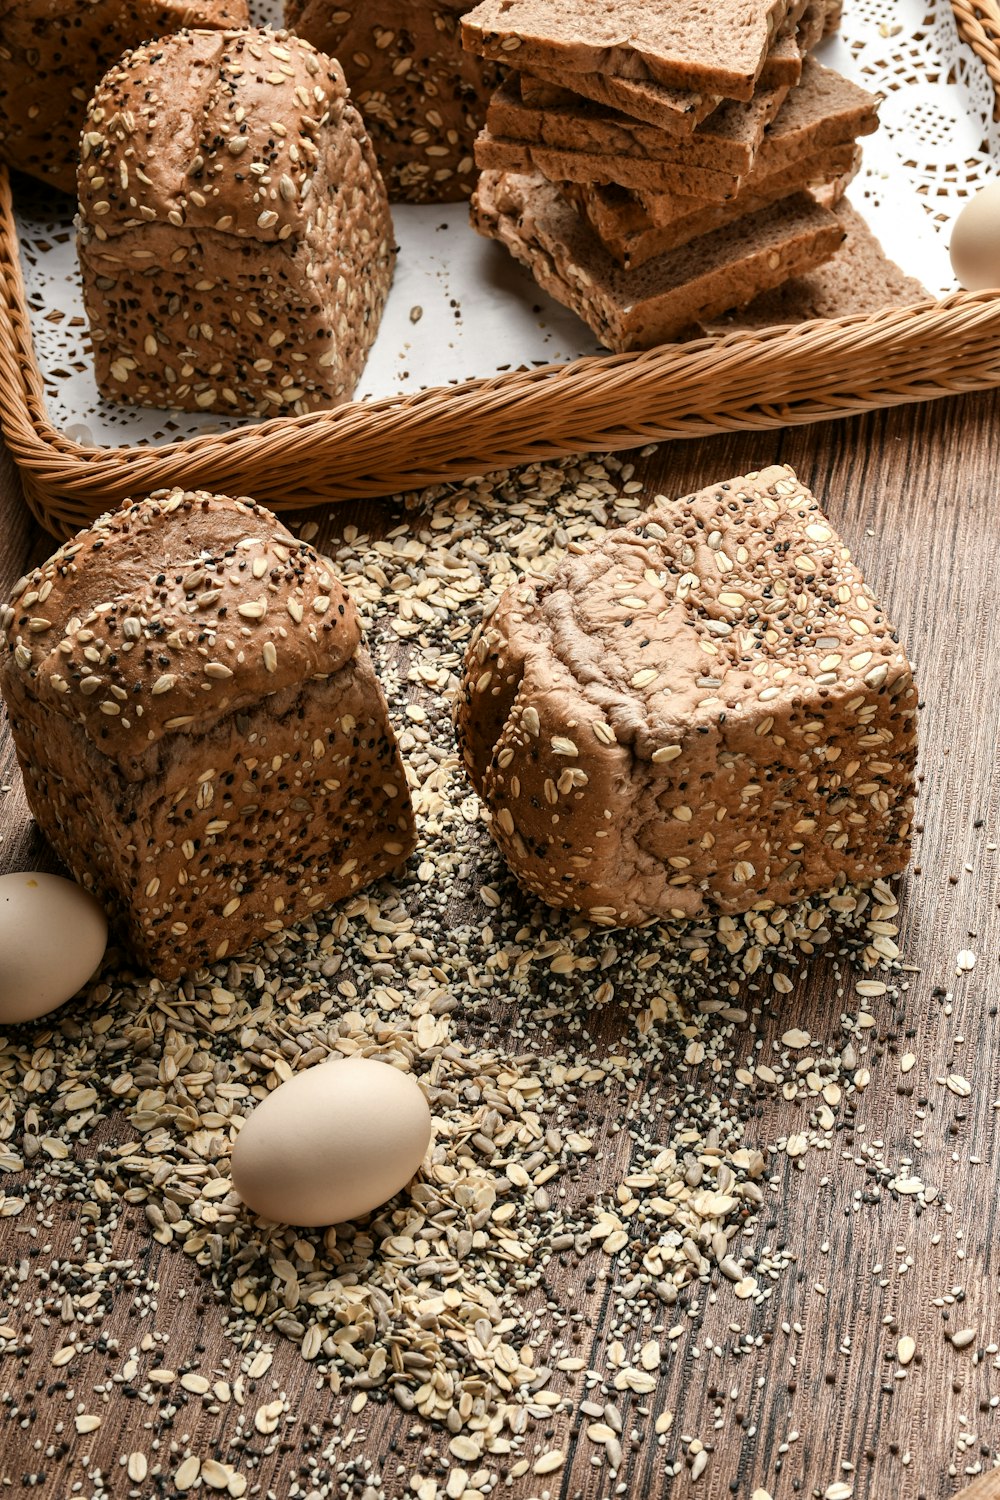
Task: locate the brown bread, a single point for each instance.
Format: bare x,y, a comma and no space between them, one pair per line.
625,230
681,110
201,734
826,110
859,278
727,141
715,49
234,235
708,713
659,301
422,96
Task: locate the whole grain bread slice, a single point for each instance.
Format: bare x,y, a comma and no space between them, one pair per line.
639,309
717,49
826,111
680,109
625,231
659,179
858,278
727,141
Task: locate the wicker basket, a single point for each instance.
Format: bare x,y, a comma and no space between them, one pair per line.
770,378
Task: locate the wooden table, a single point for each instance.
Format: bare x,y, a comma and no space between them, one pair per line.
915,493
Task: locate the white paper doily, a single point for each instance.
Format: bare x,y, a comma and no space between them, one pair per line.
460,307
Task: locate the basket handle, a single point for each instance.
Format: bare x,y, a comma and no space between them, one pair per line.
978,24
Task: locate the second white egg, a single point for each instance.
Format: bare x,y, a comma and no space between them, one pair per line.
52,939
333,1142
975,241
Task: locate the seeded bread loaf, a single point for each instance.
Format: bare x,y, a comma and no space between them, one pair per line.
422,96
707,713
200,730
714,49
234,235
662,299
52,53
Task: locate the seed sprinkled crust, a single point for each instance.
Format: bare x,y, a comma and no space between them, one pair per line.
52,57
763,714
212,773
235,241
423,97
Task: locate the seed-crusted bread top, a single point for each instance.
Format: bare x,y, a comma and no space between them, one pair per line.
52,54
216,130
422,96
717,47
171,612
660,631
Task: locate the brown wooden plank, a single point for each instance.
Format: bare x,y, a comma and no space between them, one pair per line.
914,493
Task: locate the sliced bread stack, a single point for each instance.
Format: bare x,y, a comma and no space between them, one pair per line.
656,165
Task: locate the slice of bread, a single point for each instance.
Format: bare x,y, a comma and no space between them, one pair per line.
660,179
727,141
718,48
859,278
827,110
624,229
680,109
639,309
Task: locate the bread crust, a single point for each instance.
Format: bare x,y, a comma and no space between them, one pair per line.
707,714
423,97
52,54
235,239
200,730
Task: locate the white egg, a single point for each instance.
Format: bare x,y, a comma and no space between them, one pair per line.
333,1142
52,938
975,241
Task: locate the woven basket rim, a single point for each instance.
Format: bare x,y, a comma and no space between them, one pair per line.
978,23
746,379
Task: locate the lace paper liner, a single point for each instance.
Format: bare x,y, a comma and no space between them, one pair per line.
461,308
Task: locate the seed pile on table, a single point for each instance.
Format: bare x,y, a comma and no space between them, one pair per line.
585,1085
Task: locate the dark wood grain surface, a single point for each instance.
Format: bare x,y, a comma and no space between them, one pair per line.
805,1391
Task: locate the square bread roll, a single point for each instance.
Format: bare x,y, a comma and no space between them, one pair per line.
235,240
707,713
201,733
